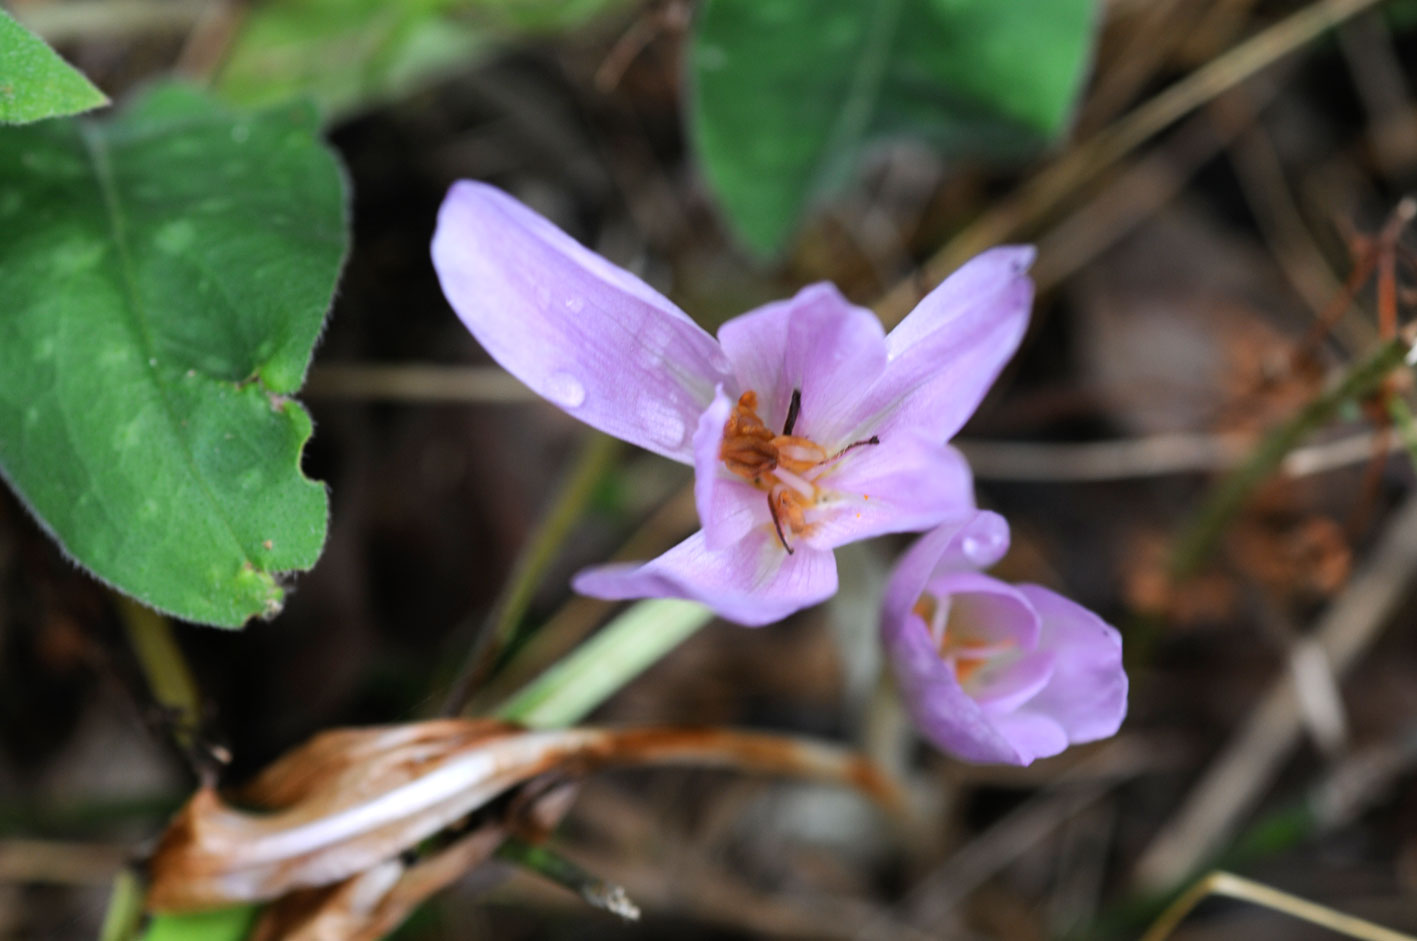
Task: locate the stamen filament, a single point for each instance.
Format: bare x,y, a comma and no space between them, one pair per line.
853,445
795,482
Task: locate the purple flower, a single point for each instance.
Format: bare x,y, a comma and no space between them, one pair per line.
806,425
994,672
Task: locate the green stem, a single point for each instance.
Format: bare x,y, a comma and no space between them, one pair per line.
165,669
601,666
173,687
1198,541
125,908
590,467
549,864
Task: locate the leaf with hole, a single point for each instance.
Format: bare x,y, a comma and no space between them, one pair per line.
166,274
785,95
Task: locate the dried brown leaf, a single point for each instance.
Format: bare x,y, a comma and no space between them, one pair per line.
350,801
373,903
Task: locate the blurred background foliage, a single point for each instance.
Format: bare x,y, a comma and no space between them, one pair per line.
1195,173
827,80
350,55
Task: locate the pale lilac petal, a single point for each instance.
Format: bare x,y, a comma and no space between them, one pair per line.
1001,684
967,294
816,342
1087,695
907,483
969,544
985,613
752,582
588,336
947,353
728,505
909,577
1031,734
942,711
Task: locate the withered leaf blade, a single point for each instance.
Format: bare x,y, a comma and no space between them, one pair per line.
368,906
352,799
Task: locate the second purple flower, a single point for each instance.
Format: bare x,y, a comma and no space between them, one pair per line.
993,672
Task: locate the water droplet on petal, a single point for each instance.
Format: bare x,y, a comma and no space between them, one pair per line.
720,363
565,390
655,338
574,304
983,543
662,422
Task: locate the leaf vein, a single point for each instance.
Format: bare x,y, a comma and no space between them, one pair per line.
97,150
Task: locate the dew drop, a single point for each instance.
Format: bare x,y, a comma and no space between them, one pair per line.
719,363
983,544
655,338
661,420
565,390
574,304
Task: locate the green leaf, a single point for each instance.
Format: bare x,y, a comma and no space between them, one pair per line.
165,276
786,94
34,82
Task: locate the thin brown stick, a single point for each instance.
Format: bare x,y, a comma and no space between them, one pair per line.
1261,174
1238,887
1155,456
1367,45
1133,195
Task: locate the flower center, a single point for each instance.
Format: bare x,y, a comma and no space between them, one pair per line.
956,647
786,467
